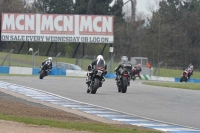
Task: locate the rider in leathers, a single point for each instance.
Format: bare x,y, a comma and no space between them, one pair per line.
123,65
100,62
49,59
190,68
137,69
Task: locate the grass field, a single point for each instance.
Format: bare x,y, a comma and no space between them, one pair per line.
175,73
191,86
26,60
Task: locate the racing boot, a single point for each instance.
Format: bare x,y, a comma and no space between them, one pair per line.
88,80
88,90
100,84
103,79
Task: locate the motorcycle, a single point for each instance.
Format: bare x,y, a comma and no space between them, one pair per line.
124,81
95,82
44,70
184,76
134,76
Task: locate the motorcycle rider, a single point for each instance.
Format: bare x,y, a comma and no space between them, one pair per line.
49,59
190,68
124,64
137,69
99,61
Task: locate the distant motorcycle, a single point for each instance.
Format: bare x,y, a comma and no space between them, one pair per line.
44,70
184,76
96,78
134,74
124,81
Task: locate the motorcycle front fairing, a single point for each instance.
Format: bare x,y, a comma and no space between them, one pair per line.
98,72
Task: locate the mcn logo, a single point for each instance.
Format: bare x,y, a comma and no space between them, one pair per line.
18,23
57,24
95,25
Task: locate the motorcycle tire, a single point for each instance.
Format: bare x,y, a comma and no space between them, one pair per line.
41,74
119,89
186,79
124,85
95,86
181,79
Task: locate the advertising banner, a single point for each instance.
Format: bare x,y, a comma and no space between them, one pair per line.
57,28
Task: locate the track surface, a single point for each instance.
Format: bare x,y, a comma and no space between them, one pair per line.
170,105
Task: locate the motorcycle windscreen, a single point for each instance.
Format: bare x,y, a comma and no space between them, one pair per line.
100,64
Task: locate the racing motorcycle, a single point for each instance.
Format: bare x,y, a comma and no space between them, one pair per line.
44,69
134,76
95,82
124,81
184,76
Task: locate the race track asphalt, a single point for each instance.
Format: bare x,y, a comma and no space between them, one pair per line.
172,105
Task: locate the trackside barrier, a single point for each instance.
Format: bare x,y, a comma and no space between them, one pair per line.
62,72
113,75
110,75
162,79
4,69
35,71
190,80
20,70
76,73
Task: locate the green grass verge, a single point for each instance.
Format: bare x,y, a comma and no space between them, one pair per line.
80,126
175,73
190,86
25,60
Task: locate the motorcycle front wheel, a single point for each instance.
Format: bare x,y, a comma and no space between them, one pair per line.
95,86
42,74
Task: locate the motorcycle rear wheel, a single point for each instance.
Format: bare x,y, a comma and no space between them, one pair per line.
124,85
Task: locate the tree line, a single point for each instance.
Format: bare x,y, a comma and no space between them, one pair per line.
170,35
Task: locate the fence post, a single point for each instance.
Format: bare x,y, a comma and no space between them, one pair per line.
7,56
82,61
57,58
111,56
33,58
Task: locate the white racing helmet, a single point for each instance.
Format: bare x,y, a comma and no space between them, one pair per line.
124,58
100,57
49,58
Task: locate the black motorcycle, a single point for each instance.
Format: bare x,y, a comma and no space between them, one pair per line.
45,69
95,82
124,81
